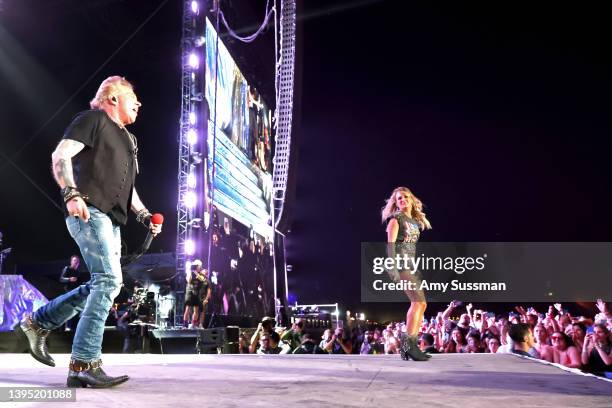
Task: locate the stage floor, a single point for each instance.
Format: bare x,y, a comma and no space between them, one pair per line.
451,380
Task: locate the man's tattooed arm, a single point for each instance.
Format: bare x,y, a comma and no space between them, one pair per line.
62,162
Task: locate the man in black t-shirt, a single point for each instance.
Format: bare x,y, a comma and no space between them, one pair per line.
69,277
95,165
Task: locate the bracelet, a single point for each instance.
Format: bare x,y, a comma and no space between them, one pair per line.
143,216
70,192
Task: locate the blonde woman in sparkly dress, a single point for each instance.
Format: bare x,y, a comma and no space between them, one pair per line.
405,220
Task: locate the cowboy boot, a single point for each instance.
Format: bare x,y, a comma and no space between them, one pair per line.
37,339
82,374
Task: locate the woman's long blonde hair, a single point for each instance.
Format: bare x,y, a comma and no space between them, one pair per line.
417,208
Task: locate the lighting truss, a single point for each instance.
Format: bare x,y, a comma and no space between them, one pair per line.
190,199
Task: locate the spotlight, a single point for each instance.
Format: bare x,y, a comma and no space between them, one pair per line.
192,136
192,118
190,199
191,180
189,247
194,61
195,8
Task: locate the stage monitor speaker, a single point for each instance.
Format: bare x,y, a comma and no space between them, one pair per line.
224,339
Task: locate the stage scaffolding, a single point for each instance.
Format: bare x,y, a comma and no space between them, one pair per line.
194,182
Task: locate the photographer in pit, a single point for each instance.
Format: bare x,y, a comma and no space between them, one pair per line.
339,343
369,345
265,327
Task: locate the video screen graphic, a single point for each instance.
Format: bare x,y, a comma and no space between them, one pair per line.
243,149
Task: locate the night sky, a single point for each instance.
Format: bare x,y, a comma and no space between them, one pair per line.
497,117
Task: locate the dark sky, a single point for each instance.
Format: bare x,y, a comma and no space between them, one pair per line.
496,116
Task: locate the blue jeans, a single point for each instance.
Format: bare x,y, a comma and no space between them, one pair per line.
100,243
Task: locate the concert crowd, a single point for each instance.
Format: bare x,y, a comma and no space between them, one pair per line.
553,335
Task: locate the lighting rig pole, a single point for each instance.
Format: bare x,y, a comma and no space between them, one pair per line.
191,203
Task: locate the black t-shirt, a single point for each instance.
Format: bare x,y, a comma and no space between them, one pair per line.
106,168
596,364
68,273
203,289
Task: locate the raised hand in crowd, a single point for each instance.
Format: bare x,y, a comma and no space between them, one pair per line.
604,312
520,310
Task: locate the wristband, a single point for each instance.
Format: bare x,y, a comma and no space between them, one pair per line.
68,193
143,216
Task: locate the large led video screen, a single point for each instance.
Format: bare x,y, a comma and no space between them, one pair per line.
242,144
239,146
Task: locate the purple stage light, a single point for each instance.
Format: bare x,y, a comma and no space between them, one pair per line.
192,118
189,247
192,136
190,199
195,7
194,61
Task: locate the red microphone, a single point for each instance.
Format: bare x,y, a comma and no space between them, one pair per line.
157,219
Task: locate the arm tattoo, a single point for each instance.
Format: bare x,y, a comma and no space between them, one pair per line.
62,170
62,161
